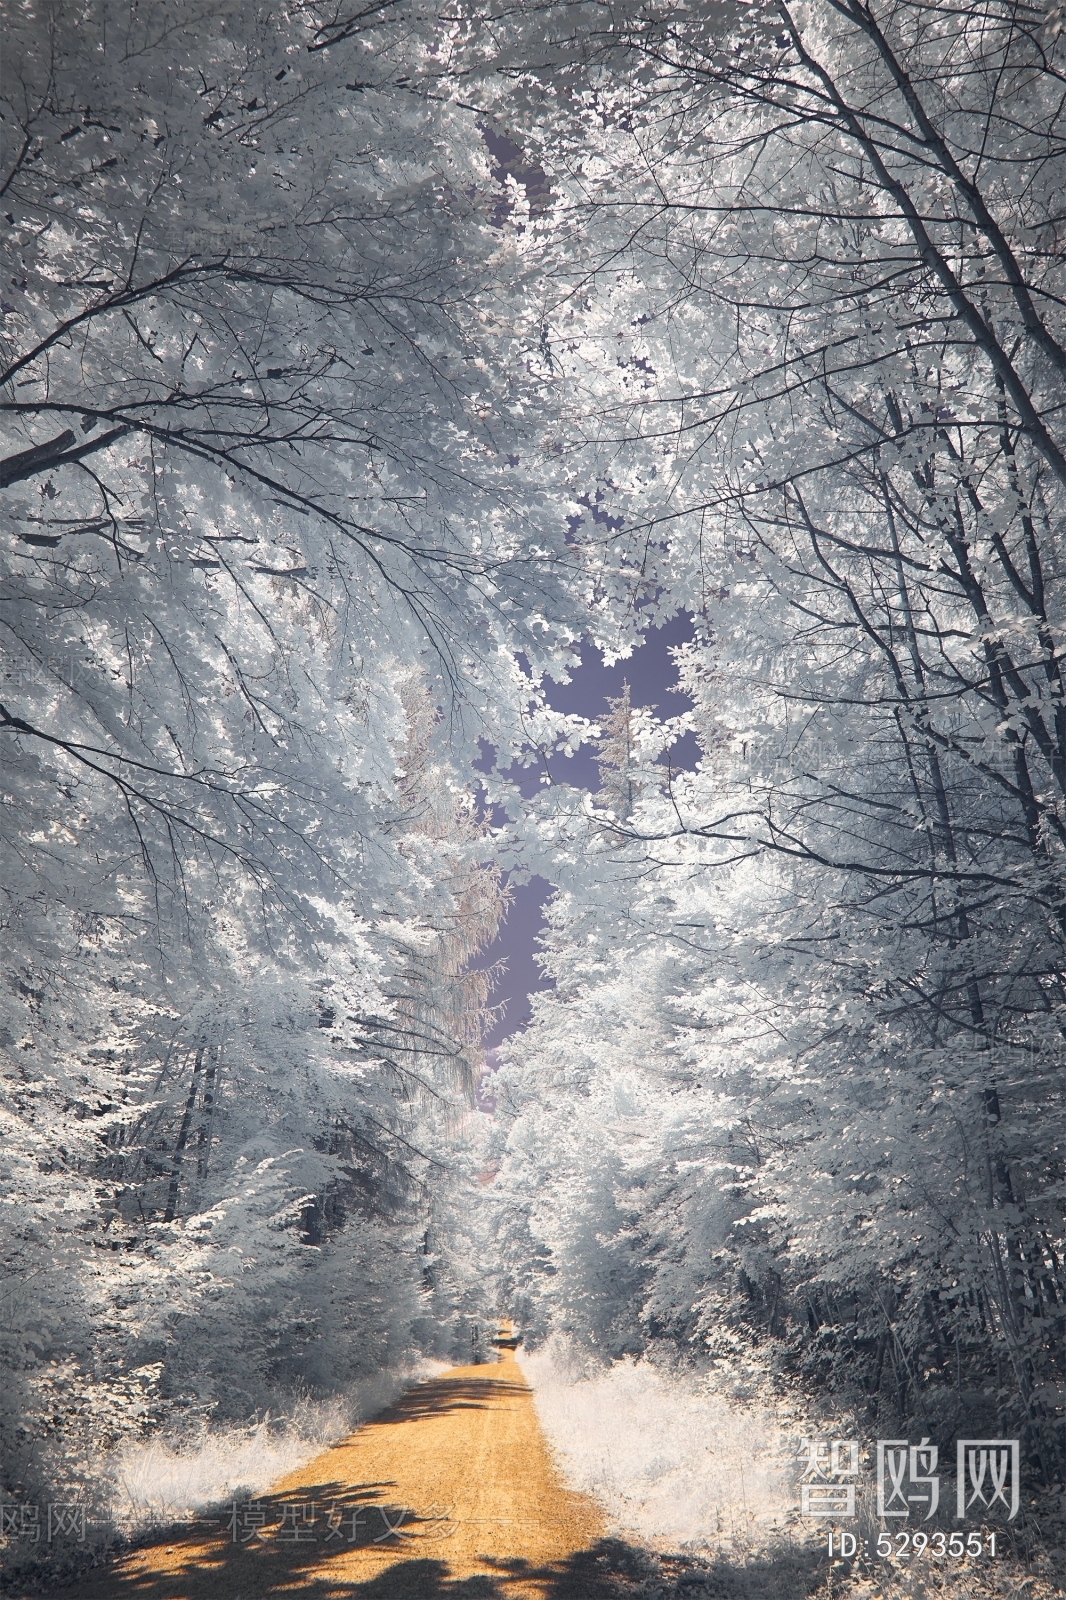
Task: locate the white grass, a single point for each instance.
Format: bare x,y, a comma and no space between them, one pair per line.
160,1482
669,1458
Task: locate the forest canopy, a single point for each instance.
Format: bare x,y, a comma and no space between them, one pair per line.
358,366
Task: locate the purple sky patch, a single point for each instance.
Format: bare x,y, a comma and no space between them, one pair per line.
652,679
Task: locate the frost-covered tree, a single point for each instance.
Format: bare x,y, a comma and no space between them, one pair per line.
260,470
809,304
209,1211
248,298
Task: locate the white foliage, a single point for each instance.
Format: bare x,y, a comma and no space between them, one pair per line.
156,1481
672,1456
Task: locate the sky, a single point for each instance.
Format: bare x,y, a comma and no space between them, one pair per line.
651,676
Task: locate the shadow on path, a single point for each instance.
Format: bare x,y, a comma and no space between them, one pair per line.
211,1567
443,1395
336,1539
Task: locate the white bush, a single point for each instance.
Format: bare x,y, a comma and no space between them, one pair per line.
670,1457
160,1481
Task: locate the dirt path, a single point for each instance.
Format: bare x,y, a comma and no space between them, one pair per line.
449,1493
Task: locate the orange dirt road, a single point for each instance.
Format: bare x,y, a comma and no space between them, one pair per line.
449,1493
